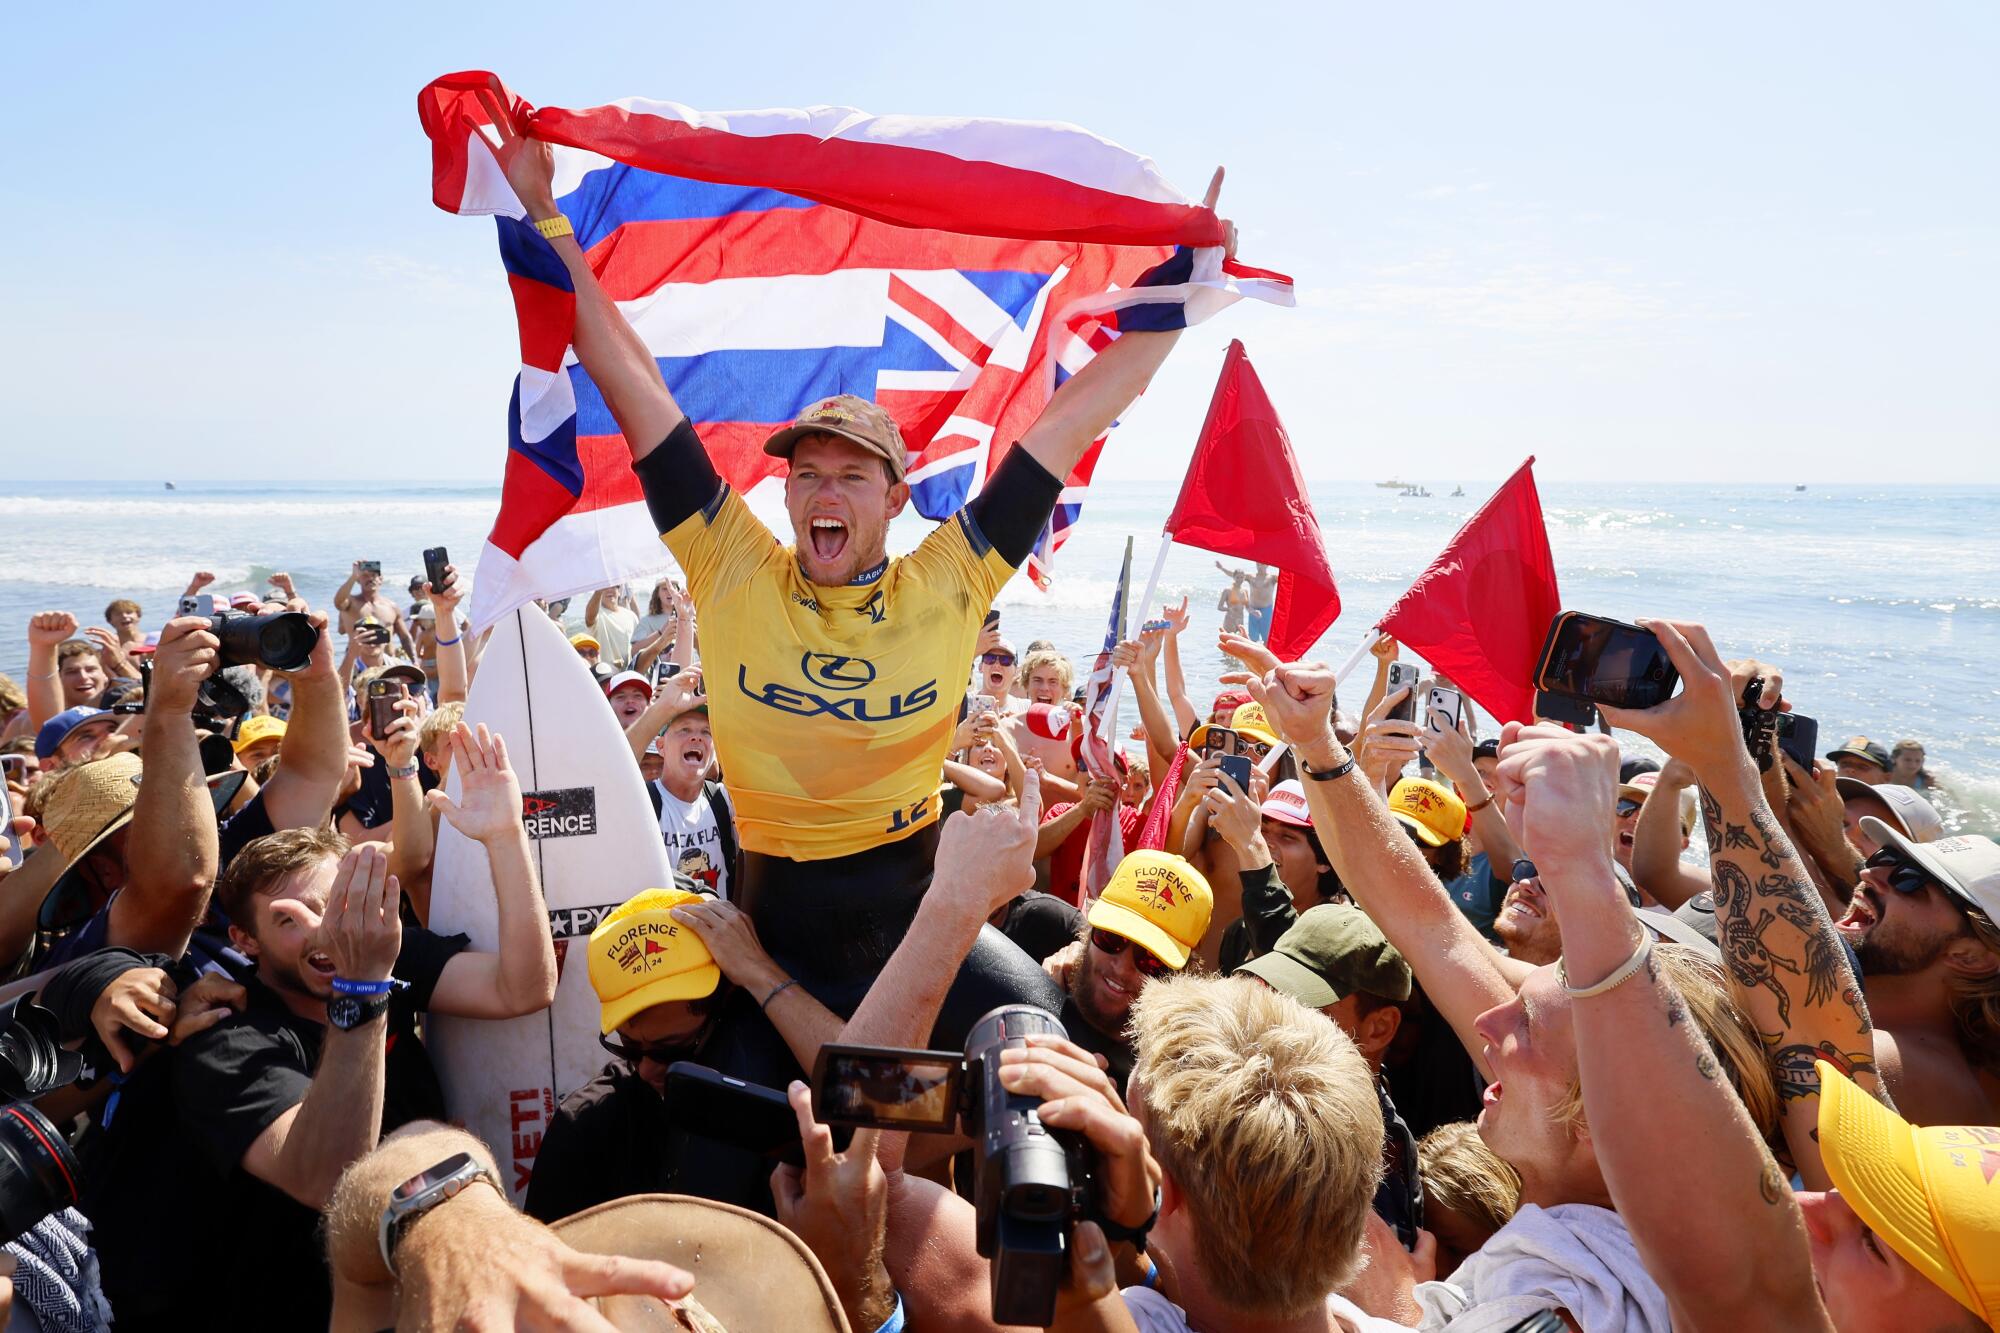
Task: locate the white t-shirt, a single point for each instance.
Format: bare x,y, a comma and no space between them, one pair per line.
694,838
613,631
1154,1313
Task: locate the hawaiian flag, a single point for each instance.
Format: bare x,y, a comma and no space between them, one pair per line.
955,271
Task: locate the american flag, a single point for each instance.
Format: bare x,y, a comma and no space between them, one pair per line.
954,271
1104,848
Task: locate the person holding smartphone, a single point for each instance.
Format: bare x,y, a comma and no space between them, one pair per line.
361,599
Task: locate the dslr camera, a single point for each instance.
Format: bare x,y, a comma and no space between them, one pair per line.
1032,1183
282,641
38,1173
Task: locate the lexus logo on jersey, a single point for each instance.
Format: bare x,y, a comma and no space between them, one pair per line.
566,812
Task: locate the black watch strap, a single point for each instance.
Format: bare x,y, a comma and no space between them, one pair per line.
1135,1235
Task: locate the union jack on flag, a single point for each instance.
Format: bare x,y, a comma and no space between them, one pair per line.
954,271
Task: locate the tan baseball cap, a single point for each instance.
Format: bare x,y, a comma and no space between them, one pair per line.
851,418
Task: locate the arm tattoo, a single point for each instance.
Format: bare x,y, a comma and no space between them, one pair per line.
1711,821
1793,1069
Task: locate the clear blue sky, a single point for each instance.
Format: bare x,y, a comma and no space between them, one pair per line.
1680,242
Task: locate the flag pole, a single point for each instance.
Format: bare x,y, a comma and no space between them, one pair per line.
1108,717
1354,660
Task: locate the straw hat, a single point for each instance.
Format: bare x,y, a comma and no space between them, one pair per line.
749,1272
88,803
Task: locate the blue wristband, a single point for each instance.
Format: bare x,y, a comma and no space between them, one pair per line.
446,643
342,986
894,1323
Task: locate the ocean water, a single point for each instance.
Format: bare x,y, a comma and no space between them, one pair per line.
1882,603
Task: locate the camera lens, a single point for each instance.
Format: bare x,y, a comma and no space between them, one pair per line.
283,641
38,1173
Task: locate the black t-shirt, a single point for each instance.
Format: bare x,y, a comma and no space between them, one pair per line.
243,828
177,1218
609,1138
373,803
1041,924
1117,1050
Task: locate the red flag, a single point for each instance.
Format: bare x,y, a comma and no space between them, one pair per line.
1244,497
1480,612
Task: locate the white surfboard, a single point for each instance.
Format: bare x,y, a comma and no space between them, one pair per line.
596,842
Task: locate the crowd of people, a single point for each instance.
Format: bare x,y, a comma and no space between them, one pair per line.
1373,1020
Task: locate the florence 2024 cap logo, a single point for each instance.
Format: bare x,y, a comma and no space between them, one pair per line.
1161,890
562,812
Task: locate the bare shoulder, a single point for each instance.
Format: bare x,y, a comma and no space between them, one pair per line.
1932,1082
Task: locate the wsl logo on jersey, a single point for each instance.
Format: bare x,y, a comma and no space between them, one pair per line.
838,686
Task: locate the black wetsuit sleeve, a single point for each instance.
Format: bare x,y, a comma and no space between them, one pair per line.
1014,507
74,990
678,478
1267,907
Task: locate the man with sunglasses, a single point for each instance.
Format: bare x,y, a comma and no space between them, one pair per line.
1921,922
658,962
1146,925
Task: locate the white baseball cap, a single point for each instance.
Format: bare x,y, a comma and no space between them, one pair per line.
1287,805
624,678
1918,817
1968,865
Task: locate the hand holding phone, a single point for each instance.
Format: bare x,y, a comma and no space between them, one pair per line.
1403,676
436,563
383,698
1443,709
1236,767
1588,660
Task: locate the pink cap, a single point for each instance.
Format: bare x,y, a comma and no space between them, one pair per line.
624,678
1287,805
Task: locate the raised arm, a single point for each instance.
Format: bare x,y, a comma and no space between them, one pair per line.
1162,741
1379,865
731,937
172,849
1451,751
454,677
343,596
1648,1076
1186,719
1785,962
47,631
1656,841
618,360
520,977
1092,399
304,1150
412,838
313,755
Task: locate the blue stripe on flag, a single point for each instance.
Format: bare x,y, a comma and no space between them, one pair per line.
556,454
1009,289
943,493
606,199
527,255
763,384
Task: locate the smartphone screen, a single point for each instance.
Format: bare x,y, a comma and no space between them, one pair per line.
897,1089
1236,767
371,566
1605,661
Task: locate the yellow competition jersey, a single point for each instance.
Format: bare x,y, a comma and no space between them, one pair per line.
833,708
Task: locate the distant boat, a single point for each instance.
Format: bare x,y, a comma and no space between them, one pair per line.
1393,485
1797,489
170,486
1457,493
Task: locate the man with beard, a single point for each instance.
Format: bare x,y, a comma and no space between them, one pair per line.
1146,924
1922,925
1525,926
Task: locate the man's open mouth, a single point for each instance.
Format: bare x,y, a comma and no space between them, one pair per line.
829,537
695,756
1863,912
320,964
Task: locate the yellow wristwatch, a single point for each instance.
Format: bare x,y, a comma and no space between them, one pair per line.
550,228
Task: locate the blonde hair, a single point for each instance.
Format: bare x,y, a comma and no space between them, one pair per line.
12,698
1975,1000
1730,1034
1464,1175
443,720
1042,657
1266,1117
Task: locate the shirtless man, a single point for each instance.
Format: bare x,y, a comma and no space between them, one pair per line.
361,598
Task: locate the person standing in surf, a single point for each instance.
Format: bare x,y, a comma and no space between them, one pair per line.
833,670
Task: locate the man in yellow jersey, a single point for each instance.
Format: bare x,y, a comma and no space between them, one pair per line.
833,672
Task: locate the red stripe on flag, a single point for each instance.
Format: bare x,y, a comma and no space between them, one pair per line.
530,500
896,183
939,320
633,260
547,316
735,447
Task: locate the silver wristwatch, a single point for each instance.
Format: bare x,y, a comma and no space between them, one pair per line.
425,1191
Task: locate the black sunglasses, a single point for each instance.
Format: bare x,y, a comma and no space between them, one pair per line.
659,1052
1905,876
997,659
1628,806
1525,869
1142,959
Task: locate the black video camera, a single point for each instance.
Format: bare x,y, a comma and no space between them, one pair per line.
1032,1184
38,1173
